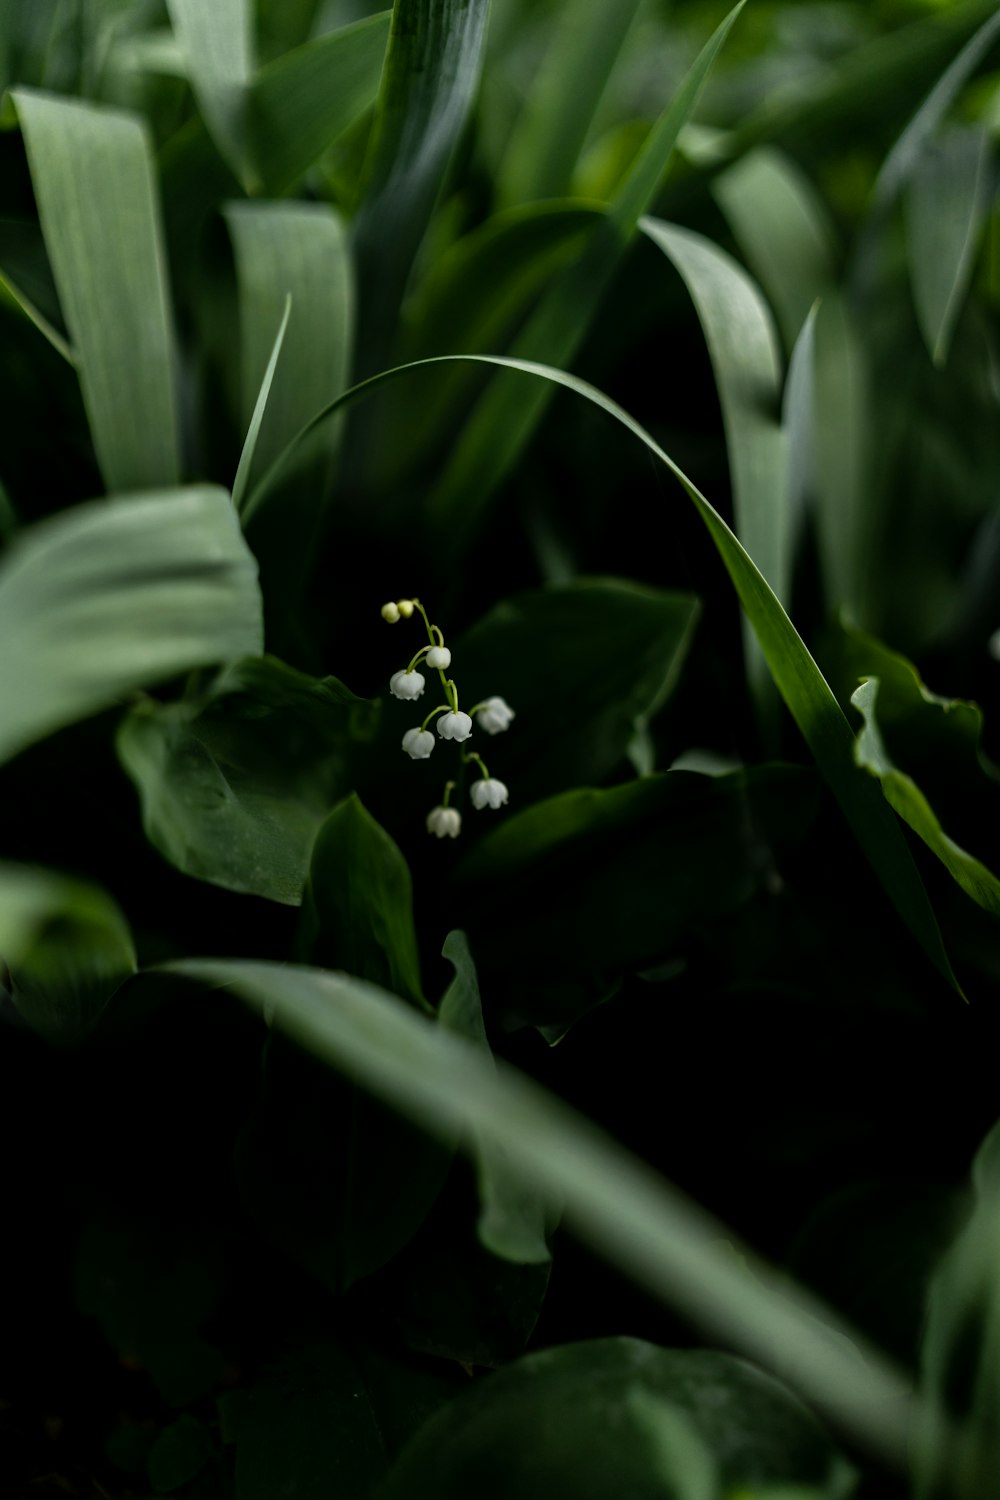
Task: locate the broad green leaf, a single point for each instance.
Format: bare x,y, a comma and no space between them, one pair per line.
589,1417
903,794
179,1454
581,665
428,85
563,98
564,898
218,46
747,367
641,1223
783,230
301,102
111,597
843,445
514,1219
235,784
506,416
92,173
66,947
245,465
800,682
947,200
357,908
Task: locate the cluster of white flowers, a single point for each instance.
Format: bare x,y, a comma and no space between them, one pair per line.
492,714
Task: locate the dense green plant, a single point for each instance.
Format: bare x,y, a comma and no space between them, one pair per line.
423,429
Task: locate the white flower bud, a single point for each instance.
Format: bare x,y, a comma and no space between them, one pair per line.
390,613
446,822
454,726
439,657
405,607
406,684
488,793
494,715
418,743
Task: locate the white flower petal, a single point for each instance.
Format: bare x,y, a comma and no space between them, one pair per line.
445,822
454,726
439,657
405,684
418,743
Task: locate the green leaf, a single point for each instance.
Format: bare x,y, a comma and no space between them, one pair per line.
66,947
245,465
506,416
947,201
800,682
514,1220
564,898
235,784
646,1227
25,274
592,1416
746,364
92,172
179,1454
218,46
301,102
357,908
783,230
563,98
581,664
906,798
843,448
428,85
115,596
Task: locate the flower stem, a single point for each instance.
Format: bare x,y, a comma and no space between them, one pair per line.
468,755
442,708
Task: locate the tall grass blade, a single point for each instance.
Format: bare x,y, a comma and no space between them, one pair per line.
947,199
218,44
93,178
250,442
637,1220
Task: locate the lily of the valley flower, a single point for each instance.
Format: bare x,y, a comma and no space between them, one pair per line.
439,657
494,715
418,743
445,822
406,684
454,726
488,793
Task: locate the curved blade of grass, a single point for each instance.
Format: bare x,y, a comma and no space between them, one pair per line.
34,315
947,199
799,680
250,442
562,101
843,447
641,1223
503,421
783,230
113,596
25,274
301,102
743,348
218,45
906,798
94,182
431,74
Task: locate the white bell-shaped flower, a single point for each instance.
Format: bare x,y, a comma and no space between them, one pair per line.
418,743
406,684
445,822
488,793
454,726
439,657
494,715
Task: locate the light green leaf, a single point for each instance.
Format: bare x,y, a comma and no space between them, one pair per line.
235,784
562,101
514,1219
26,276
642,1224
842,452
783,230
746,363
429,81
947,200
93,178
217,40
66,947
903,794
111,597
253,431
301,102
800,682
504,419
